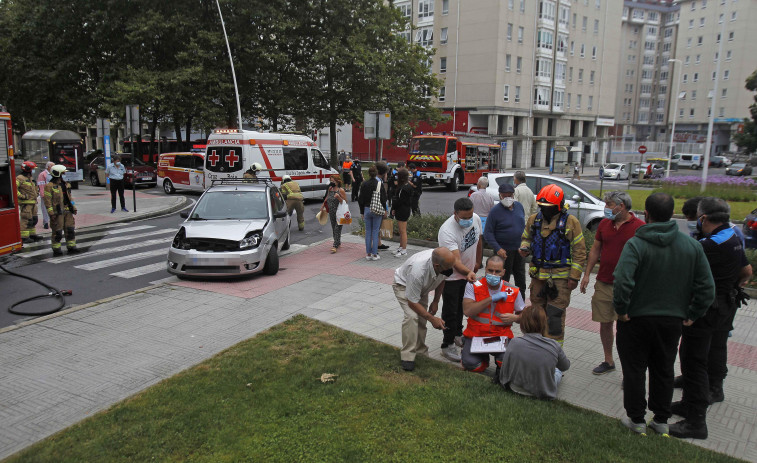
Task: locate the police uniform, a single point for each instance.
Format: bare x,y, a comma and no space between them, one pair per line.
60,206
357,175
295,201
27,201
559,253
417,181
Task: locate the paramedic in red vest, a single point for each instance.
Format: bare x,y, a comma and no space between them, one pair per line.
491,306
347,173
555,240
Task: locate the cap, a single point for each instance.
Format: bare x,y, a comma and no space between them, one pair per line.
506,188
550,195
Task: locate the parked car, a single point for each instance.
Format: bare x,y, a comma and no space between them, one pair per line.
616,171
588,208
717,161
750,230
739,169
237,227
657,171
146,174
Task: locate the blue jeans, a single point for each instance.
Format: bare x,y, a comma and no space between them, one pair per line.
372,226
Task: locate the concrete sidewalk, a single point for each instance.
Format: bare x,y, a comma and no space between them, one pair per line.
93,206
66,367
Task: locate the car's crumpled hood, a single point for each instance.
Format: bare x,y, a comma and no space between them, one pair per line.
222,229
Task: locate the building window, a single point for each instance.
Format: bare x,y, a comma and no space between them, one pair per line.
693,6
570,74
649,45
699,59
583,50
442,93
541,96
406,10
728,55
596,26
733,16
652,31
701,22
688,42
547,10
714,75
680,113
425,36
724,93
591,78
731,36
520,34
696,77
518,64
562,41
693,95
517,93
508,60
685,78
668,32
580,76
594,52
583,23
522,6
564,16
720,18
510,4
567,101
578,101
691,24
717,38
721,113
544,39
509,31
591,101
559,72
691,112
726,74
572,47
700,41
544,68
664,75
425,8
574,20
445,7
687,60
442,65
507,94
443,38
652,16
598,4
557,99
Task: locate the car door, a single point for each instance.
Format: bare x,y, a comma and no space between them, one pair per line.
100,163
281,225
580,206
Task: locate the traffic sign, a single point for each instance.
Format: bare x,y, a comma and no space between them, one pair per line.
642,149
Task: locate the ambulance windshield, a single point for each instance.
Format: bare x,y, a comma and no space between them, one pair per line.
231,205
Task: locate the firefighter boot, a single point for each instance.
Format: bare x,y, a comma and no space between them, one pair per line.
57,252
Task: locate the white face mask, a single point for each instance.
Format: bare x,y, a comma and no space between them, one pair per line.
507,202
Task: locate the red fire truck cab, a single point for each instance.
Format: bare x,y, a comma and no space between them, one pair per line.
10,229
453,160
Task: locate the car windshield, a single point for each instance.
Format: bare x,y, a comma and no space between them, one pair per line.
127,161
738,166
613,166
231,205
427,145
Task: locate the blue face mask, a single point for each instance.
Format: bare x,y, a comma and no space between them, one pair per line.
692,225
493,280
609,214
465,223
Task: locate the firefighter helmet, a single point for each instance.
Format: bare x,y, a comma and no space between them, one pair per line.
551,195
58,170
255,167
28,166
286,178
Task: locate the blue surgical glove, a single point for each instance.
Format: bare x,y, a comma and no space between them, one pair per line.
500,296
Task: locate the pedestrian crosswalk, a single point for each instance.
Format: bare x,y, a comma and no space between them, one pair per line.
125,251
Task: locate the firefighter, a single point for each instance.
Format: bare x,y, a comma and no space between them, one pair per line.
61,208
295,201
252,172
27,201
556,240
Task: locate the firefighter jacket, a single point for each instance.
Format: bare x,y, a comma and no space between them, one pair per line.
558,248
27,190
56,201
291,190
488,321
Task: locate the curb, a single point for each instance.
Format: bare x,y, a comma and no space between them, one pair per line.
180,203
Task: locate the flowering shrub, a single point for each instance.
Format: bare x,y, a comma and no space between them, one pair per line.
720,186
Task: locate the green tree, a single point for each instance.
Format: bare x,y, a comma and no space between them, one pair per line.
747,140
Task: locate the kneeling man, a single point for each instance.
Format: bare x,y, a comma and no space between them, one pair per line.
491,306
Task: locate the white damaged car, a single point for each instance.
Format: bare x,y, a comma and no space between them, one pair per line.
237,227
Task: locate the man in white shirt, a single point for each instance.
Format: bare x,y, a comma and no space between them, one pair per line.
482,200
461,234
523,194
413,281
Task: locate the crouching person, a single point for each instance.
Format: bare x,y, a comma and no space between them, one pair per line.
491,306
533,364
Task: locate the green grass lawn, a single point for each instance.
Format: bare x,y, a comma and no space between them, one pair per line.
262,400
739,209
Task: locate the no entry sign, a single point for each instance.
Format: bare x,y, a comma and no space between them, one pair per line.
642,149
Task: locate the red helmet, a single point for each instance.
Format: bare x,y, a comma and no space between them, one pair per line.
28,166
551,195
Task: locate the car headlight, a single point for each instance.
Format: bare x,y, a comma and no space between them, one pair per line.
180,241
251,241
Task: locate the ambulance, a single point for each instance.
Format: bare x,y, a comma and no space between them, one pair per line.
181,171
230,152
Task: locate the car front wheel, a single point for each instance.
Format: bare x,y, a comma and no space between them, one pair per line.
271,262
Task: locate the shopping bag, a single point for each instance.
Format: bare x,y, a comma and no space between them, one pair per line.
343,216
376,207
387,229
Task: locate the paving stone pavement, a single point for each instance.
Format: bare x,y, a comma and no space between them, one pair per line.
66,367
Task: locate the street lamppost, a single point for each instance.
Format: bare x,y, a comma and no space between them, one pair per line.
231,61
675,114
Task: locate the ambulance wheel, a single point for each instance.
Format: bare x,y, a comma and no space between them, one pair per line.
286,243
168,187
93,180
271,262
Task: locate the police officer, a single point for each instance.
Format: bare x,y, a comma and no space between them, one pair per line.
27,200
357,175
290,189
252,172
559,254
417,182
391,182
703,349
61,208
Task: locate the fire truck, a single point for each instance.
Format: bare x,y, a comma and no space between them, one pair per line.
10,224
453,159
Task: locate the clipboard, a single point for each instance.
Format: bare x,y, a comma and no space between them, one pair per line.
478,346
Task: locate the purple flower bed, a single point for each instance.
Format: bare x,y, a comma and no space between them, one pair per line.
721,186
715,180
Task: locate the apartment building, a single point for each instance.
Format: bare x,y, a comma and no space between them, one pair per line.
648,41
533,74
717,47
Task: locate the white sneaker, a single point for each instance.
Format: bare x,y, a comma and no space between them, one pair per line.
451,353
368,257
400,252
375,257
459,341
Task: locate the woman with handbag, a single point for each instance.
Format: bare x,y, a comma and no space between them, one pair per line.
334,196
401,207
372,203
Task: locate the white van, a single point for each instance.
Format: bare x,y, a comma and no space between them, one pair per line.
694,161
230,152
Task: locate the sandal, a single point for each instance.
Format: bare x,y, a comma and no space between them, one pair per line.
333,250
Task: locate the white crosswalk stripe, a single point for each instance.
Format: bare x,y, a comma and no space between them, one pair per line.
115,239
139,271
100,252
85,236
123,259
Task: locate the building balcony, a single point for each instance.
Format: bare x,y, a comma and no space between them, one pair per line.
546,23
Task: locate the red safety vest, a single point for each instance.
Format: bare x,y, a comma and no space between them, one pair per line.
486,323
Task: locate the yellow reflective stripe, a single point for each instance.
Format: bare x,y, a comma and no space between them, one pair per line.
577,238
